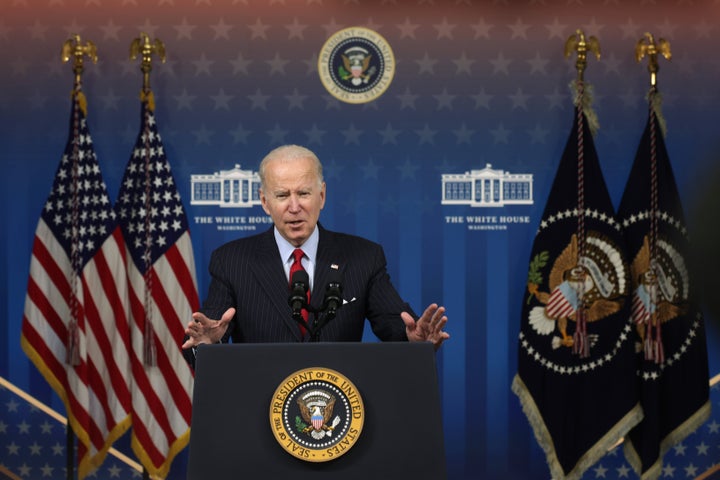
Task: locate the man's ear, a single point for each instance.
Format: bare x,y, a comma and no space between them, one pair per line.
263,201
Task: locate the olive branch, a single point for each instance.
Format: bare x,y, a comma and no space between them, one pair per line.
299,424
534,275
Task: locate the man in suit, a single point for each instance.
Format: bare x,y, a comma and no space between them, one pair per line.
248,295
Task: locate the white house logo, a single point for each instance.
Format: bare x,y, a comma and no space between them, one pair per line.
234,188
487,187
356,65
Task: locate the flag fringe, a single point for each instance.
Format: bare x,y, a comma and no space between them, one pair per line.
159,471
90,461
595,453
673,438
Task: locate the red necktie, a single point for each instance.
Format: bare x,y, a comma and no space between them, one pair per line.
296,266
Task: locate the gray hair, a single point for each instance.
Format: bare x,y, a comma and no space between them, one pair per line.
290,152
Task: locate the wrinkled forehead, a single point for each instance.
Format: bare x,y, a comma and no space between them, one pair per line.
291,174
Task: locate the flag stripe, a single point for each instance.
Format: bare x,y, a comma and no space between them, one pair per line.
184,271
179,379
74,328
155,380
159,252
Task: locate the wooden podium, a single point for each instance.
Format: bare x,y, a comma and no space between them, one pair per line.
231,436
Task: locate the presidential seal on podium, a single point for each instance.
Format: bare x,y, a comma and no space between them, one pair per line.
316,414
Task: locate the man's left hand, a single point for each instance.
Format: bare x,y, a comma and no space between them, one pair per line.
429,327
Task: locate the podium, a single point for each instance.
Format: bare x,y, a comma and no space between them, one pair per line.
231,435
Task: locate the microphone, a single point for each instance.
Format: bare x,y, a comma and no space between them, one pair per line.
298,292
333,293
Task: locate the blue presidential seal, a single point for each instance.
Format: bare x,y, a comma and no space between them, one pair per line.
316,414
356,65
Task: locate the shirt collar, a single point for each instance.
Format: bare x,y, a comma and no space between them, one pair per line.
309,247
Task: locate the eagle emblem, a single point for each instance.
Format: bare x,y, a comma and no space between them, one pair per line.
316,409
595,282
356,66
661,290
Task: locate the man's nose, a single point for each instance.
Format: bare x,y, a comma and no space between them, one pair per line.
294,204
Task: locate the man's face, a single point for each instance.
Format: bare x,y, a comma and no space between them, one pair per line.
293,197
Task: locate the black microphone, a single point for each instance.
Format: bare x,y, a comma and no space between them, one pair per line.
333,293
298,292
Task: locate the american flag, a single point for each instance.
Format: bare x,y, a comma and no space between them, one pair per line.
163,295
75,327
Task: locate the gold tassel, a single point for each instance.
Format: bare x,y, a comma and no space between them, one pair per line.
149,98
82,101
587,97
72,354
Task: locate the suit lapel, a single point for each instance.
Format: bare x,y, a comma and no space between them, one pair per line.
329,257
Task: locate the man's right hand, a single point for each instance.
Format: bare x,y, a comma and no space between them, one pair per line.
206,330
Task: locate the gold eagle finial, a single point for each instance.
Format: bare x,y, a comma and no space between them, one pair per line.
143,46
73,48
648,46
581,44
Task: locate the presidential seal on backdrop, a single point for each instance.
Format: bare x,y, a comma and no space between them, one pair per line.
356,65
316,414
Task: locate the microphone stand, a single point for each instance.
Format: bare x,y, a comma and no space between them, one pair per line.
297,316
322,315
320,322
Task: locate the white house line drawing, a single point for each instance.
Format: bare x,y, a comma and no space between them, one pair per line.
487,188
227,188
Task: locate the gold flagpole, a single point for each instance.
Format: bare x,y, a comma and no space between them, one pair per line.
648,46
74,49
581,45
146,48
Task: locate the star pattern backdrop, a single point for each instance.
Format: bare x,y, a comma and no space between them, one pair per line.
477,83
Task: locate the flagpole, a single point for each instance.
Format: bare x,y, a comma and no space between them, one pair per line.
144,47
648,46
578,43
73,48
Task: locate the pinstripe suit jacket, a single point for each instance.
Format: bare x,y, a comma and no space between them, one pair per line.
248,274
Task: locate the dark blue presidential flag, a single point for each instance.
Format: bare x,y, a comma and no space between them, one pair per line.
672,348
576,369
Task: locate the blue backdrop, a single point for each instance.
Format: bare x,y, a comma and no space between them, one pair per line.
477,82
